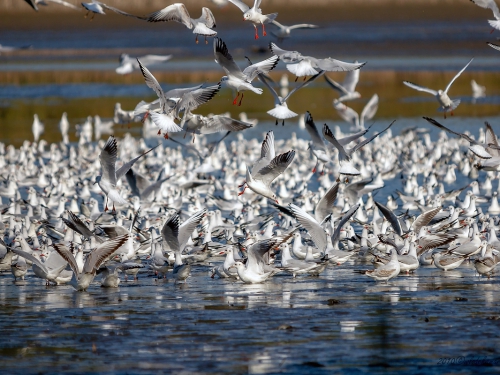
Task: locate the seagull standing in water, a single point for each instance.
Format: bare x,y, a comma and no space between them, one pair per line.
255,15
447,105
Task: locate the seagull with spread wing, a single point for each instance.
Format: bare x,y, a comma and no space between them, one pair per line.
256,270
178,12
490,4
97,7
129,64
82,280
352,117
447,104
255,15
34,3
236,79
283,32
109,177
301,65
347,89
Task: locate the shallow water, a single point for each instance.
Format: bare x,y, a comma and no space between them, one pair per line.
339,321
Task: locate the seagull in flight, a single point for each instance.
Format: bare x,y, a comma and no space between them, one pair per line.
255,15
34,3
129,64
490,4
284,32
447,105
236,79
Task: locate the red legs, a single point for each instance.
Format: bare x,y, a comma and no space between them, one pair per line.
159,132
241,99
193,137
93,15
452,113
146,115
185,135
296,78
236,99
165,136
256,35
263,30
491,32
315,167
244,185
114,210
196,39
88,11
106,205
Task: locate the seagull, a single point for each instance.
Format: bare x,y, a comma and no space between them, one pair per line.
179,13
347,89
386,271
255,15
478,91
82,280
34,3
351,116
199,124
490,4
97,7
302,66
256,270
19,268
170,234
236,79
283,31
129,64
107,181
280,110
494,46
447,105
46,271
110,275
345,154
267,168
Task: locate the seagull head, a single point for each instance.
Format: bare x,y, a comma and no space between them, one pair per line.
246,16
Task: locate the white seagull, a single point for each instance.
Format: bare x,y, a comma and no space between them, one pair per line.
490,4
255,15
34,3
236,79
352,117
347,89
283,31
447,105
129,64
178,12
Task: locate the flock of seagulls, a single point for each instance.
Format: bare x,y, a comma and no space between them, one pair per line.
91,212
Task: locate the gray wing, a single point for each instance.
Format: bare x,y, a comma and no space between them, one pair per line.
151,59
208,17
267,152
313,131
368,140
125,167
423,219
193,99
107,158
369,110
332,65
327,133
152,83
77,225
494,46
303,26
325,204
420,88
303,84
276,167
113,231
288,57
318,235
351,80
337,86
456,76
66,4
491,139
177,93
346,140
32,3
67,255
170,232
488,4
225,60
240,4
121,12
263,67
31,258
391,217
345,218
97,257
217,123
352,190
442,127
348,114
257,251
176,12
187,227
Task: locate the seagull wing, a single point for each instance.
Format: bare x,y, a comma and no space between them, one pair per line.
225,60
77,225
368,140
488,4
208,17
391,217
170,232
327,133
351,80
491,139
176,12
303,26
313,131
113,9
276,167
67,256
107,158
240,4
420,88
256,254
369,110
345,218
193,99
494,46
336,86
457,75
332,65
125,167
66,4
303,84
97,257
325,204
318,234
31,258
263,67
288,57
267,152
153,59
423,219
152,83
217,123
187,227
348,114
